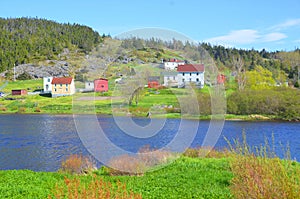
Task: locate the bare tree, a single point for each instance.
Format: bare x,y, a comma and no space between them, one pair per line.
238,65
132,88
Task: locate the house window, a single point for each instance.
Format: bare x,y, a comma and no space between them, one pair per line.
47,87
190,79
102,86
67,89
48,79
183,80
190,74
173,77
60,85
168,78
55,85
55,90
197,74
197,79
67,85
182,74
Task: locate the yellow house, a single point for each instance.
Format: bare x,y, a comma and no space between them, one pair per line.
62,86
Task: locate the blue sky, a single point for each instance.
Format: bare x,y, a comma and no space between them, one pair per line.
273,25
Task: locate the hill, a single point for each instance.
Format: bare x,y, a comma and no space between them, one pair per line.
30,40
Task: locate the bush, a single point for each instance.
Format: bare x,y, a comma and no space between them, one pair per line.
37,110
77,164
22,110
3,109
96,189
138,164
24,76
283,103
206,152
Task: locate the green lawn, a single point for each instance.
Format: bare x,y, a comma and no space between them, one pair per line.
184,178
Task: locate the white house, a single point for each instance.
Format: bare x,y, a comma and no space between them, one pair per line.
170,78
172,64
89,86
189,73
47,84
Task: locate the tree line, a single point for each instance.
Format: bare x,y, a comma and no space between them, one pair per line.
23,40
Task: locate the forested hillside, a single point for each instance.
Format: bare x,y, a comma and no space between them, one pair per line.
29,40
23,40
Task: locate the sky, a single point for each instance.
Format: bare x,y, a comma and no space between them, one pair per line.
260,24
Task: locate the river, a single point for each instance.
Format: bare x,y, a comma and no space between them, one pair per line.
41,142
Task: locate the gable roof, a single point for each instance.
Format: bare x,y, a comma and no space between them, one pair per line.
101,79
169,73
191,68
175,60
62,80
153,78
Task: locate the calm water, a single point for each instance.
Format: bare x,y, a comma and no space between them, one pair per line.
41,142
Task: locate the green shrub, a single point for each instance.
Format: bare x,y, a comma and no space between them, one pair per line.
283,103
24,76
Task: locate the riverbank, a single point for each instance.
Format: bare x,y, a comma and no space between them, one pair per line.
184,178
218,175
226,117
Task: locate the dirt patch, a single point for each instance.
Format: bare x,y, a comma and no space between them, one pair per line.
99,98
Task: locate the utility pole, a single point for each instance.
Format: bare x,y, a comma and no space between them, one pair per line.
14,72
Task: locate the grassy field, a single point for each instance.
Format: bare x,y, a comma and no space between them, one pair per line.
161,103
236,174
184,178
42,104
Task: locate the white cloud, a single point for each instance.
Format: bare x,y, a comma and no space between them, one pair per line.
246,36
275,36
286,24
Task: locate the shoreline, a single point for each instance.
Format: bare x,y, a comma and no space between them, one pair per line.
227,117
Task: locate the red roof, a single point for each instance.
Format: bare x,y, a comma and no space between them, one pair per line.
62,80
102,79
191,68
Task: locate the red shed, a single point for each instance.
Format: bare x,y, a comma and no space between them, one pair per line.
153,82
19,92
101,85
221,79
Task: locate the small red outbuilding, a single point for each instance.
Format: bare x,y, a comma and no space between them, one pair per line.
19,92
101,85
153,82
221,79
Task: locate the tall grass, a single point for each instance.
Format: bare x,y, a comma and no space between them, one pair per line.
259,173
96,189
